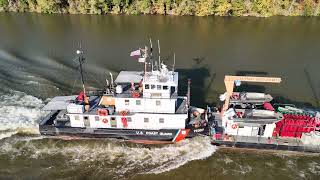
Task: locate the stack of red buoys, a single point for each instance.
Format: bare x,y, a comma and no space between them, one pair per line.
293,125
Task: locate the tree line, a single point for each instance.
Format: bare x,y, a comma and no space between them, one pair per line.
260,8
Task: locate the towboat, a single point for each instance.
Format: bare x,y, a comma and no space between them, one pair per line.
268,126
140,106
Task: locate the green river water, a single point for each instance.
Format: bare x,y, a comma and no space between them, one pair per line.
36,63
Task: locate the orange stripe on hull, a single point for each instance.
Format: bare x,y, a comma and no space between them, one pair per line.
181,135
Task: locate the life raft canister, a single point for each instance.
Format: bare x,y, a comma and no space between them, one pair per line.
124,122
105,120
124,119
234,126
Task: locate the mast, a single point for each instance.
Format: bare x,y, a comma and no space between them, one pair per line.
159,55
81,61
86,99
174,63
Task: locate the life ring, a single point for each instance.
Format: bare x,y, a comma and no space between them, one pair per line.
105,120
234,126
123,113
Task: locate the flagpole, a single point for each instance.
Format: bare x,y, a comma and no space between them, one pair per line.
145,61
151,56
159,54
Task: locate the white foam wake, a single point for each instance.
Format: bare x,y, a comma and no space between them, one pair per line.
112,156
176,155
19,112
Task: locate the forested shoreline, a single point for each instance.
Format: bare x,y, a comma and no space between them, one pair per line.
259,8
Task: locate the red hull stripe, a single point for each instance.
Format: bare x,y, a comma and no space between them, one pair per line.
182,134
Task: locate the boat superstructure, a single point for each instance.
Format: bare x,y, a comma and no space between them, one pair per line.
137,105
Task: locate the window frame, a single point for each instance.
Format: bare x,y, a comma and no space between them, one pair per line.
127,102
129,119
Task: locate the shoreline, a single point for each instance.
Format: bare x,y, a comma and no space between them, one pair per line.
236,8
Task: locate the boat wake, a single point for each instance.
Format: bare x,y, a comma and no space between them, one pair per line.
19,113
117,158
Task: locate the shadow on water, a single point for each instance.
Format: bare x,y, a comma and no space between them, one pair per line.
201,81
284,100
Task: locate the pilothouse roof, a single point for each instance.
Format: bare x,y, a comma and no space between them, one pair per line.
129,76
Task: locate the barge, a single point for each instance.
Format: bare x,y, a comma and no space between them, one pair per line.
249,124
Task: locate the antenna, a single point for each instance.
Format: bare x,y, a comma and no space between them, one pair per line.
150,49
159,54
152,65
174,61
111,76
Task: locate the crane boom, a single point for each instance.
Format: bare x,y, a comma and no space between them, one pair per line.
229,83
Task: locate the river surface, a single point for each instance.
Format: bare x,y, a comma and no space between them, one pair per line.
37,55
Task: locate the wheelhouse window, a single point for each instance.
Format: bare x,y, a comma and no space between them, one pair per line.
146,86
146,120
126,102
173,89
86,117
129,119
165,87
138,102
158,103
153,86
161,120
158,87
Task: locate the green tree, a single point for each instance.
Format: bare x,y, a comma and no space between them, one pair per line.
308,7
3,3
23,5
238,7
222,7
205,7
262,7
186,7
